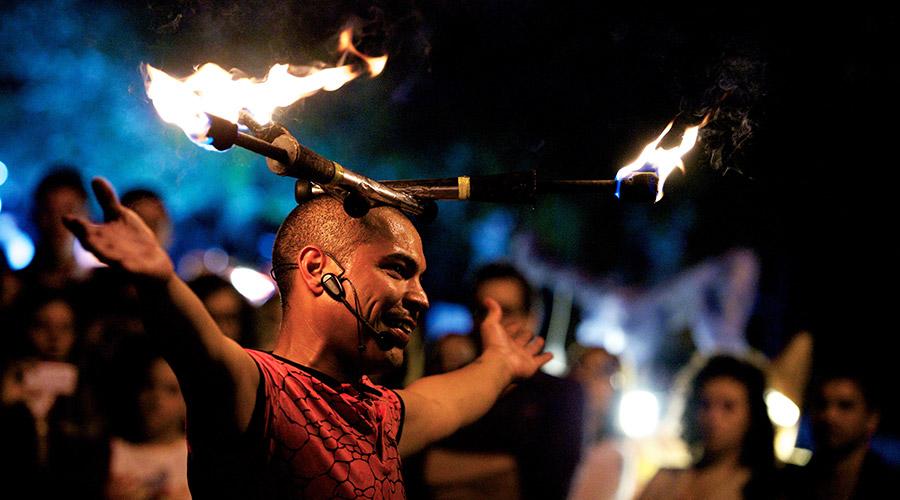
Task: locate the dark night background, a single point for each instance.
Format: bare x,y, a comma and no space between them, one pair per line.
493,86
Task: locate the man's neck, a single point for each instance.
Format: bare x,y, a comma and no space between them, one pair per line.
846,461
838,472
301,342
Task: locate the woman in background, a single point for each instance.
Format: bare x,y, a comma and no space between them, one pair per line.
727,427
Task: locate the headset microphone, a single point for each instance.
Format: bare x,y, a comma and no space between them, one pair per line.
332,285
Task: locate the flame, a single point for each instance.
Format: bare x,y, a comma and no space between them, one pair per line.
375,64
660,160
211,89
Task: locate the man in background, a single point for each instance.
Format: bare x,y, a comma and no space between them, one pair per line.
845,414
529,444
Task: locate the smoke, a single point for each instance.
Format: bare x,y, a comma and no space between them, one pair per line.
733,103
258,32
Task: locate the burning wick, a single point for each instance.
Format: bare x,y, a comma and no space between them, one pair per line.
211,89
660,160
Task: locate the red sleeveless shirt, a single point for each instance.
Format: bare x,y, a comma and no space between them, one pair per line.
313,437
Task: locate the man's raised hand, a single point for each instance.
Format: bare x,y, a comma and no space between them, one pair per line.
123,240
521,352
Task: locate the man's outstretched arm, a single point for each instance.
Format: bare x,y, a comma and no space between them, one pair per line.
437,406
217,377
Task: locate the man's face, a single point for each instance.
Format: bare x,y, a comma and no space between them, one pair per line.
386,272
840,417
509,294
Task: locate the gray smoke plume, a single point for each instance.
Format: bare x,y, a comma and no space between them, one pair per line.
734,106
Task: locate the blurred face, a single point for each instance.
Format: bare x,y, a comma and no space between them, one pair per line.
596,372
56,203
386,273
723,415
155,216
841,420
455,351
52,332
509,294
161,405
224,305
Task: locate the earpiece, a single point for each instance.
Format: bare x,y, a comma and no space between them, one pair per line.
333,287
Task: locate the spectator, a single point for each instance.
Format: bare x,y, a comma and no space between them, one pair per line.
599,474
529,444
232,313
59,193
150,207
148,454
845,414
44,376
727,427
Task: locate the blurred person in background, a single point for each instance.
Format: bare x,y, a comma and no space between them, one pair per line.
50,327
529,444
845,413
602,467
232,313
731,439
19,462
450,352
148,452
59,193
9,286
150,207
43,374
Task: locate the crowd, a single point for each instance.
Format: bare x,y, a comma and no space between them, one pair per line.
91,408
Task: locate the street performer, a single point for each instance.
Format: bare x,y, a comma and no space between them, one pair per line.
305,421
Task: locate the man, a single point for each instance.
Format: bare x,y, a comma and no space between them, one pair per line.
150,207
529,444
60,193
844,416
303,421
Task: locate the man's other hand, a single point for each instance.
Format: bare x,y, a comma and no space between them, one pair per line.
123,240
521,352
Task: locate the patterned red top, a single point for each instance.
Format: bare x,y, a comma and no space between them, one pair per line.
319,439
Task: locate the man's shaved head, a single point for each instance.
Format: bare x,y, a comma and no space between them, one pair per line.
321,222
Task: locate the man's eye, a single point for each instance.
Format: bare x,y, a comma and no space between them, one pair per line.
396,269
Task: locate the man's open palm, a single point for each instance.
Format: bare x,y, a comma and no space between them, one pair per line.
123,240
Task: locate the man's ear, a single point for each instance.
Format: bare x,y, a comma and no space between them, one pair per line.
311,267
